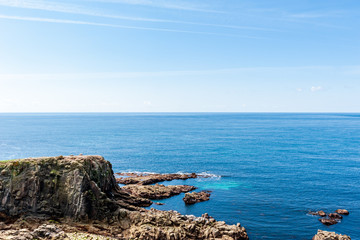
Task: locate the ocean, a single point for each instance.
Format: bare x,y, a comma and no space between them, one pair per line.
267,169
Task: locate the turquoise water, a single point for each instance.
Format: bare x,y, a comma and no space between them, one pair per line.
273,167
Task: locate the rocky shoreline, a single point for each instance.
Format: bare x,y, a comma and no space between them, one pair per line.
80,194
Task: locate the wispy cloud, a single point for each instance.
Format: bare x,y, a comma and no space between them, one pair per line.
128,75
69,8
322,14
65,21
79,10
176,5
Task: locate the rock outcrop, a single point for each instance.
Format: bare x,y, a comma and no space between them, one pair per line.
81,187
156,191
195,197
324,235
80,194
151,178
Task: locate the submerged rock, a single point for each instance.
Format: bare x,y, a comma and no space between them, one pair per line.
324,235
342,211
156,191
195,197
150,178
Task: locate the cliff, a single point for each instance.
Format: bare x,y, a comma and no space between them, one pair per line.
82,189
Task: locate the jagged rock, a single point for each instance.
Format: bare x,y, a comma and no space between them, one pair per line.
335,216
150,178
342,211
195,197
324,235
156,191
328,221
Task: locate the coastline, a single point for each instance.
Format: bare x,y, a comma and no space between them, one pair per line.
80,193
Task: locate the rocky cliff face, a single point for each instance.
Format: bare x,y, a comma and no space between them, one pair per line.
81,187
81,193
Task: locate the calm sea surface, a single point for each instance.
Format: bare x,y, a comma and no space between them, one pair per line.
273,167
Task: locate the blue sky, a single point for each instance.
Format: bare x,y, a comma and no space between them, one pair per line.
180,56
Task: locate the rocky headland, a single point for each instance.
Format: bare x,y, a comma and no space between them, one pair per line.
45,197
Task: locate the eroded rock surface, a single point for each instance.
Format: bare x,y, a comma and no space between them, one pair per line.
156,191
195,197
324,235
150,178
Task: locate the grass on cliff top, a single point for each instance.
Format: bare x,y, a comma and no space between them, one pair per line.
23,160
10,160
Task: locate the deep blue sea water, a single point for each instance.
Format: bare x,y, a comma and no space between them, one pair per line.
274,167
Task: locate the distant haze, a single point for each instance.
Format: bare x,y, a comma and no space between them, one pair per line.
179,56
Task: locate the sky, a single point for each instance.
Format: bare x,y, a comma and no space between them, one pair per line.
180,56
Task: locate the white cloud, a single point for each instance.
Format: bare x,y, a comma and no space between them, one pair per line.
316,88
299,89
147,103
